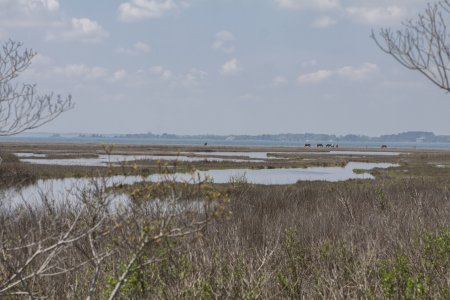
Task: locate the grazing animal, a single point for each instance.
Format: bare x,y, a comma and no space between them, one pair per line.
308,145
329,145
205,144
319,145
383,146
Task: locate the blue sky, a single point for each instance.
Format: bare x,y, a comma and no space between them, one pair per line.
224,66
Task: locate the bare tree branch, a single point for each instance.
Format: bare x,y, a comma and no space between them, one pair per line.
21,108
422,45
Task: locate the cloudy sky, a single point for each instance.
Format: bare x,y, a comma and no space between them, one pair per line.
224,66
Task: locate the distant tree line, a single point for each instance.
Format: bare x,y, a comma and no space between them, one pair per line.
410,136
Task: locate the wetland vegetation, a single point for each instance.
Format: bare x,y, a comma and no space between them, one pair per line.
381,238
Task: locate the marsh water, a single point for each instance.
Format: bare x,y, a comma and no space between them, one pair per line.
364,153
43,138
286,175
70,188
105,160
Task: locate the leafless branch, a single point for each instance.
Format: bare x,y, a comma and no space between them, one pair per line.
21,107
422,45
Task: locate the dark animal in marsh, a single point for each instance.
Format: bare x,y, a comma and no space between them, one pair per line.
329,145
308,145
205,144
383,146
319,145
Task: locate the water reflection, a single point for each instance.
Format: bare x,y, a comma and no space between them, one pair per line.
29,154
443,166
105,160
69,188
254,155
351,153
266,155
286,176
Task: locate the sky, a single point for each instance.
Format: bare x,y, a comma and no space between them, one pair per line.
224,66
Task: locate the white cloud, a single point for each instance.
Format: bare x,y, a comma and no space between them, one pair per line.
28,13
162,72
357,73
192,78
324,22
347,72
377,15
231,67
86,72
138,10
119,75
136,49
308,4
223,41
279,81
80,30
51,5
78,73
309,63
41,60
315,77
81,70
371,12
29,6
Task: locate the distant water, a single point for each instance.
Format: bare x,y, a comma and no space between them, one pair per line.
69,188
284,176
106,160
181,141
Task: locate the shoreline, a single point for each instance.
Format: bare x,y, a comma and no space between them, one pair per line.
223,143
211,147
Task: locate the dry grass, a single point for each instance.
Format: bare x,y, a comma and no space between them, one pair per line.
310,240
386,238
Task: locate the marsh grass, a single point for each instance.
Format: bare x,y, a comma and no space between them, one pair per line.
343,240
355,239
387,238
12,173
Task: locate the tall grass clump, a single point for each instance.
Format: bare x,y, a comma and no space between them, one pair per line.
381,239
